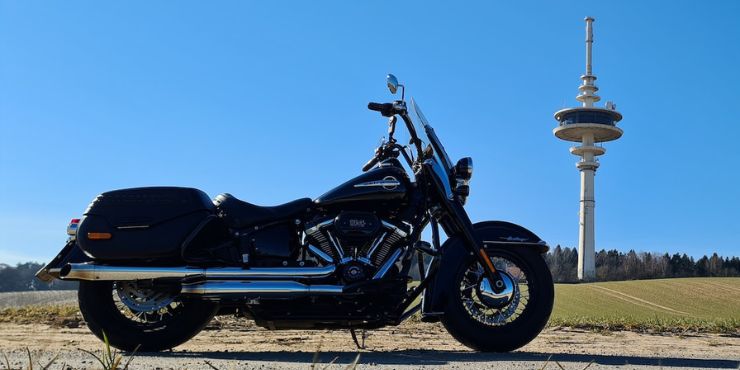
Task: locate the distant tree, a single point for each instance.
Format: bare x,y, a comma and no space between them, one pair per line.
22,277
614,265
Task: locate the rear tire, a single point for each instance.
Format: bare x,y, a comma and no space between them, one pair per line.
494,333
128,329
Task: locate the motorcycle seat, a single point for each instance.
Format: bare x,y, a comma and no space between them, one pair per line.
239,214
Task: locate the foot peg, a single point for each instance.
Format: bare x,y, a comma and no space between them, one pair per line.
431,317
425,247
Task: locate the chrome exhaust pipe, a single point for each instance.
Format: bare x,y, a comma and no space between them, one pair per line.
259,288
90,271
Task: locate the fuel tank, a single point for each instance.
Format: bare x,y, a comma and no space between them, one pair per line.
385,184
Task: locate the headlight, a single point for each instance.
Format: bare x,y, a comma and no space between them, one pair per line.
463,173
464,169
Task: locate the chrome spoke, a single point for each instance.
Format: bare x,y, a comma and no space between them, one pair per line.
144,305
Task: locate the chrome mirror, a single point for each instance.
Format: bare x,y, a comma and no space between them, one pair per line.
393,85
392,82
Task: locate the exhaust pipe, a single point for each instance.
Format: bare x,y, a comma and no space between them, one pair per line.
259,288
88,271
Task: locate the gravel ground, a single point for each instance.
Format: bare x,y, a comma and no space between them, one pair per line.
235,344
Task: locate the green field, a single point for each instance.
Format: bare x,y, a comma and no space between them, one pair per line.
696,304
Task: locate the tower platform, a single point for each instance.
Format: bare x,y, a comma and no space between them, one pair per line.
575,123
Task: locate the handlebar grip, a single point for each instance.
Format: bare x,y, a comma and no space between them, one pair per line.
370,164
386,109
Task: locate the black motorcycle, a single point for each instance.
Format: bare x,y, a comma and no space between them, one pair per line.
156,264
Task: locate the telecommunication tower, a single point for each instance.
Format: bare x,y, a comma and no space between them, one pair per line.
588,125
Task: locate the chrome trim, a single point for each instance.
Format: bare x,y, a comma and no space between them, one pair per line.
537,244
375,245
54,272
493,299
259,287
72,228
47,275
388,183
395,228
335,242
87,271
319,226
321,254
411,227
387,265
133,227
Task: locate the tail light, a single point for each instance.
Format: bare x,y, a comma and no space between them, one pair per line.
72,228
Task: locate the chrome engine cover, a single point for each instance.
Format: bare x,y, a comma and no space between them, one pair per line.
354,236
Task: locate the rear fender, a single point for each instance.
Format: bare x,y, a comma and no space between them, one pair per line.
489,233
71,253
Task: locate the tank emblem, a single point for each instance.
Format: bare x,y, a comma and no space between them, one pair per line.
357,222
387,183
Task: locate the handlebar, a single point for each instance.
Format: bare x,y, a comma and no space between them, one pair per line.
386,109
391,110
372,162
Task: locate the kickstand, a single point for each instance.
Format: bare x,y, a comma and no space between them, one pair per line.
354,338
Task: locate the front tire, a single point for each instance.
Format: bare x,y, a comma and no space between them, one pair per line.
146,320
502,328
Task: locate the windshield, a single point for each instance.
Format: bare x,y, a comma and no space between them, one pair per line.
426,133
442,164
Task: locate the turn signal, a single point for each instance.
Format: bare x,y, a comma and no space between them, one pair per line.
99,236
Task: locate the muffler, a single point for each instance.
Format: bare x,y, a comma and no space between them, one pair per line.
90,271
259,288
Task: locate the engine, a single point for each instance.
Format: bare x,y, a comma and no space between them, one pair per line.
358,242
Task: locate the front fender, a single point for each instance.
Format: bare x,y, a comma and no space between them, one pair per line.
492,233
489,233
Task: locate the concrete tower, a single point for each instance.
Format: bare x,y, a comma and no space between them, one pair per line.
588,125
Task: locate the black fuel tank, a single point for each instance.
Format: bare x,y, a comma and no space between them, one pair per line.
380,184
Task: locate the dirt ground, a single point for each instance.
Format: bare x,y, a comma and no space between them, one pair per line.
235,344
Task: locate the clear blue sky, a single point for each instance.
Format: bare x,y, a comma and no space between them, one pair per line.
266,100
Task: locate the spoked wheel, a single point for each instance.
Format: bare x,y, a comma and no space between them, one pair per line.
152,318
485,320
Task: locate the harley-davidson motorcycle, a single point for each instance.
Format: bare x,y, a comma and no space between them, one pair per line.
156,264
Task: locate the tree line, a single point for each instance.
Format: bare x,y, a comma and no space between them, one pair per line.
563,262
615,265
21,278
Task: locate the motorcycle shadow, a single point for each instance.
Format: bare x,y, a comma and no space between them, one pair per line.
434,357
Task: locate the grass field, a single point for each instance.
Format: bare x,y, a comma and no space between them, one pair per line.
698,304
675,305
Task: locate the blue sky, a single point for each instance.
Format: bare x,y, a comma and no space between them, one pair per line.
266,100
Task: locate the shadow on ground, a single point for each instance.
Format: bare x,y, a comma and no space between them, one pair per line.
430,357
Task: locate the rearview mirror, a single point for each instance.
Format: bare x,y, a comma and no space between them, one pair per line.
392,82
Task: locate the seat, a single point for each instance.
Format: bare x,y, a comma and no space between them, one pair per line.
239,214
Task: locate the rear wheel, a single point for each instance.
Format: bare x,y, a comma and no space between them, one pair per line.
488,321
150,318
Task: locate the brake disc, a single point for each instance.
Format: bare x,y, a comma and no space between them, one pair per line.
143,299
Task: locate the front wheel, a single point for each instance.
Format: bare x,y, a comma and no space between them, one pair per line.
139,317
488,321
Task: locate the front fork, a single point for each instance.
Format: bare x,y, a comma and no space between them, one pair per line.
459,218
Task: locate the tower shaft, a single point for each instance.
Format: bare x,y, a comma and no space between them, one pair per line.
586,231
587,238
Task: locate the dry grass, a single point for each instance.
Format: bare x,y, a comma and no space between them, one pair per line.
56,315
